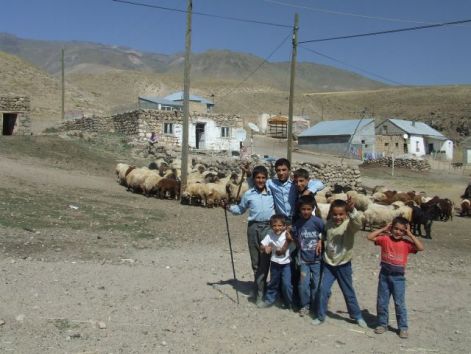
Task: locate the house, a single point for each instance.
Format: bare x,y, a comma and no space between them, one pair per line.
162,104
279,125
399,137
355,136
197,104
174,102
466,145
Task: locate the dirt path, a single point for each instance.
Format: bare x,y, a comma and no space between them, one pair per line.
157,275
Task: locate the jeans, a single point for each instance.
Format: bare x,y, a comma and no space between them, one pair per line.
256,231
309,283
392,284
343,275
280,274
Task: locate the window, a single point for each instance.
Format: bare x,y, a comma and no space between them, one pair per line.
397,144
385,129
417,146
168,128
224,132
386,144
363,141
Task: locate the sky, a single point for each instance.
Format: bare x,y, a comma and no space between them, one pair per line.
434,56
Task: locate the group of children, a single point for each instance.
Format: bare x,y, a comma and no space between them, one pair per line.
287,238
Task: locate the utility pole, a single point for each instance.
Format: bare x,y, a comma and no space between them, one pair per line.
63,86
291,87
186,97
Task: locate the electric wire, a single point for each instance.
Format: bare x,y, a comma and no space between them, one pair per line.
343,13
407,29
265,60
351,66
229,18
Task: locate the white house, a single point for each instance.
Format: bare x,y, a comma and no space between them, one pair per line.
402,137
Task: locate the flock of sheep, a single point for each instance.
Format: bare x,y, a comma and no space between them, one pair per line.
208,188
162,180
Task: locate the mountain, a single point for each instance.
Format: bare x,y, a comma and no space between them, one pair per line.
212,66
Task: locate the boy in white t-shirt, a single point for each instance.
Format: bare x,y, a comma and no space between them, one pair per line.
276,242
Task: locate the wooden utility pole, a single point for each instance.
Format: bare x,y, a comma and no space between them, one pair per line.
63,86
186,98
291,87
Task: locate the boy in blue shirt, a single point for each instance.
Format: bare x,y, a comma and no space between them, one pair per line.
258,200
307,233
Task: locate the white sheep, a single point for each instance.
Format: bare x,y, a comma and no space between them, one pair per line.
122,171
135,179
341,196
360,201
150,184
196,191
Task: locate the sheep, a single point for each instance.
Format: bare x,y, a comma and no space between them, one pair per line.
195,193
324,210
421,217
379,197
233,192
216,192
465,207
170,186
320,198
150,184
379,189
135,179
360,201
334,196
381,215
122,170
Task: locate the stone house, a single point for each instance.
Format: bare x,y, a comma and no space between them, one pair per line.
15,113
174,102
401,137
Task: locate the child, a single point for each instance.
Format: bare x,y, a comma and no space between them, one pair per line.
307,232
394,251
343,222
301,180
259,201
275,243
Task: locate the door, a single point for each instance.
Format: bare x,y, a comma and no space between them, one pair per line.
430,148
200,136
9,121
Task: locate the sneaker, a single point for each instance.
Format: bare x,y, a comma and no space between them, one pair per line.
316,322
263,304
403,334
361,322
304,311
380,330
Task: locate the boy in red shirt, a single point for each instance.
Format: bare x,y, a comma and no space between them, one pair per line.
395,248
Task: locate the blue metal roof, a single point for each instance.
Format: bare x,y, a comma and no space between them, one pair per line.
178,96
160,100
336,127
416,128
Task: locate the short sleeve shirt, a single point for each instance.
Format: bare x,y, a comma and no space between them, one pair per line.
394,253
276,242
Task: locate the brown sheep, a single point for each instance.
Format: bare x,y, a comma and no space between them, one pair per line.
170,186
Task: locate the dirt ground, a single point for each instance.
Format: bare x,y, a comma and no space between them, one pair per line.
88,267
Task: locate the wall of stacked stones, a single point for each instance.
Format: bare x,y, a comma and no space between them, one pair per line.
411,164
329,173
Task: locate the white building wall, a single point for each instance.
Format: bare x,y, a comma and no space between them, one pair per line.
447,146
416,145
212,136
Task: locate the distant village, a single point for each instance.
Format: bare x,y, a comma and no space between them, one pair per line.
363,139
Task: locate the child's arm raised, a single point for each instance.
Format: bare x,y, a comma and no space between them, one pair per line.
417,243
372,236
355,223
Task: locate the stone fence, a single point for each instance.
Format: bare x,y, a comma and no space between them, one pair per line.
411,164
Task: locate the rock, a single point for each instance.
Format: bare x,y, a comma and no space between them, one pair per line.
2,322
20,317
101,325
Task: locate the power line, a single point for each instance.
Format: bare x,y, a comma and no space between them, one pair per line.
351,65
265,60
342,13
230,18
416,28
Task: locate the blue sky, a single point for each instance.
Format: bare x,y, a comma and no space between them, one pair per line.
427,57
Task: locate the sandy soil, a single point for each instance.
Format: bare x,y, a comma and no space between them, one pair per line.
78,253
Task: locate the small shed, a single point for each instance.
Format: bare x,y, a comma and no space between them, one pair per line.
14,111
353,136
278,127
466,145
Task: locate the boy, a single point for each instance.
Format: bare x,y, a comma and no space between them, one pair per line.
307,232
342,225
283,189
394,251
274,243
259,201
301,181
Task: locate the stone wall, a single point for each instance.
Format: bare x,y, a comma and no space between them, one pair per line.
411,164
21,106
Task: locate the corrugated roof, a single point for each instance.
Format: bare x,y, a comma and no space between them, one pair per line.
336,127
178,96
416,128
160,100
